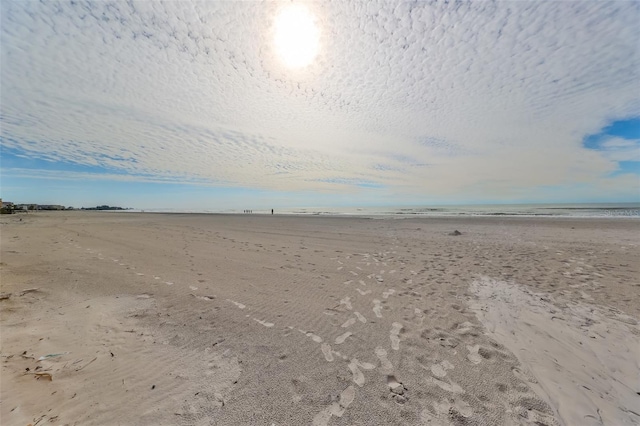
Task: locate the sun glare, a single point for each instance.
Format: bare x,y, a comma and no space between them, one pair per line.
296,36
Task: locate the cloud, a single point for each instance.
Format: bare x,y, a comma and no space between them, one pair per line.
618,149
422,98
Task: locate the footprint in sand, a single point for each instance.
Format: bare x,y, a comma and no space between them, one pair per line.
442,407
361,318
447,386
385,364
339,268
395,335
207,298
440,370
358,377
418,313
348,323
465,328
474,356
398,390
364,365
362,292
339,355
346,398
314,337
326,351
445,408
377,308
193,288
354,366
341,338
265,323
463,408
347,302
139,274
355,274
386,294
362,283
348,282
168,283
337,408
238,304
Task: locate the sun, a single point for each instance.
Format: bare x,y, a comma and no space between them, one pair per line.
296,36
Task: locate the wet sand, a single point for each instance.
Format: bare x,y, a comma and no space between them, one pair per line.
246,319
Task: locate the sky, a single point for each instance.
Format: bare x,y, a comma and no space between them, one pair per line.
232,105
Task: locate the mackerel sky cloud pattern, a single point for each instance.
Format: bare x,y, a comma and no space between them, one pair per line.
414,97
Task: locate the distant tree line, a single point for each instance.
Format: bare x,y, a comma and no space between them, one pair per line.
10,208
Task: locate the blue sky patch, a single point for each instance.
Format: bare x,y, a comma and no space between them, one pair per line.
19,159
619,142
624,129
627,167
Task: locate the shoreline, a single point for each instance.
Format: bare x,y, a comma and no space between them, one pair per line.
399,216
577,210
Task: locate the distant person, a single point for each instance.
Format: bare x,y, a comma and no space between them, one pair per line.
271,211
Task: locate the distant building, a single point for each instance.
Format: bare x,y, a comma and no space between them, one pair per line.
50,207
6,207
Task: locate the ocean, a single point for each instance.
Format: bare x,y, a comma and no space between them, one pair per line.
598,210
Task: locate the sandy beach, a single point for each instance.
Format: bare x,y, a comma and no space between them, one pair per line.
189,319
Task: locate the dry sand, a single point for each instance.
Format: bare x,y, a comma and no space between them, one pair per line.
203,319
